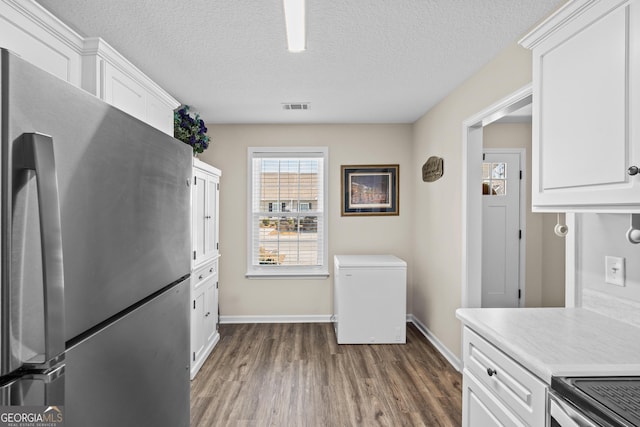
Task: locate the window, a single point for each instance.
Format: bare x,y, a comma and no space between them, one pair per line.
288,202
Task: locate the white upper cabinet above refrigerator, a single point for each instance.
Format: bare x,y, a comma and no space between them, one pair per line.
33,33
112,78
586,93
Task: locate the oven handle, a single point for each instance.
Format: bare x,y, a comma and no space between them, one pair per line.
566,415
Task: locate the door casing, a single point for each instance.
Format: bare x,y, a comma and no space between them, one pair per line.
471,292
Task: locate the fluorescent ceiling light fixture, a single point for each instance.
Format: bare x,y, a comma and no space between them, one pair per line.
294,16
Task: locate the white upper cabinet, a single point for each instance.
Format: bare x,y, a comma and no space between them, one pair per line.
33,33
112,78
586,93
205,210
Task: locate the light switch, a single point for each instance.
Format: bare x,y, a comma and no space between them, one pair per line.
614,270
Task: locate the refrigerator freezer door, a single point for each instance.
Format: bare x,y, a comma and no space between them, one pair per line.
124,193
139,365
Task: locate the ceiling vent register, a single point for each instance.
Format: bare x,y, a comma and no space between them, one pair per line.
296,106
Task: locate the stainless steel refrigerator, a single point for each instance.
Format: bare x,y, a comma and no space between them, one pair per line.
94,257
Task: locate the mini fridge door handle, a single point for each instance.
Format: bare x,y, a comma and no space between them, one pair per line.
35,152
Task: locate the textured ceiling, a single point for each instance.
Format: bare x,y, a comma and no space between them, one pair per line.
367,61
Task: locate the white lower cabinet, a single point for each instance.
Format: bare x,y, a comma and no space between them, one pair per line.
497,390
481,408
204,314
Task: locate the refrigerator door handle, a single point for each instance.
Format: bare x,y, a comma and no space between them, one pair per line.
35,152
47,377
34,388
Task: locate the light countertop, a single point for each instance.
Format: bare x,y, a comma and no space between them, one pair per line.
559,341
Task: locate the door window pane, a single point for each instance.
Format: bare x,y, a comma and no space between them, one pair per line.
494,179
499,170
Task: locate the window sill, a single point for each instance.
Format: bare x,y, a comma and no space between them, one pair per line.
261,275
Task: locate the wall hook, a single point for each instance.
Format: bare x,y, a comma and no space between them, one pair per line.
633,234
561,230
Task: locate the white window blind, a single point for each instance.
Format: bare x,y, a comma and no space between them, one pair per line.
287,219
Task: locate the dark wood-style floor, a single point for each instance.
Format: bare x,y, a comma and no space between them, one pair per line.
296,375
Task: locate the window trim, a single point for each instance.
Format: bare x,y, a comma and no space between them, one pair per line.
292,272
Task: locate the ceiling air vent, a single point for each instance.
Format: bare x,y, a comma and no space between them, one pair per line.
296,106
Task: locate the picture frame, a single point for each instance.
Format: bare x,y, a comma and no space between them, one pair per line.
370,190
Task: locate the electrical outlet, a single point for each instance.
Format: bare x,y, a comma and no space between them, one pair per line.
614,270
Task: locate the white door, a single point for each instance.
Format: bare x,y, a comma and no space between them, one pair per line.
501,230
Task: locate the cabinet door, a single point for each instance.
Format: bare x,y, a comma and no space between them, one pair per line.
586,95
199,213
159,114
210,311
517,389
211,217
204,314
123,92
36,36
481,409
198,307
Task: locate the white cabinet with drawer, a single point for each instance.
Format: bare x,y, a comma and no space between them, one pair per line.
205,190
204,314
482,409
497,388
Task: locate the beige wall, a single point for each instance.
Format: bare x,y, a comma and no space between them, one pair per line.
437,273
427,234
544,269
348,144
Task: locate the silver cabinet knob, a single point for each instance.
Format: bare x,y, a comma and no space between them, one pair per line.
633,170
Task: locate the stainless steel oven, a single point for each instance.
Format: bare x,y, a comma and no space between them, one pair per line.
595,401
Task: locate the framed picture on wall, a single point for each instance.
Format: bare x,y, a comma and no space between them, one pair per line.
370,190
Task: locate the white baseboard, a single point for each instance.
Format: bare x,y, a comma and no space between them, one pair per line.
451,358
319,318
327,318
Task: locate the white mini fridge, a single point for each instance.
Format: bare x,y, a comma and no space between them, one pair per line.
370,299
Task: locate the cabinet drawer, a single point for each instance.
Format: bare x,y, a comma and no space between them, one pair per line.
519,390
482,409
203,273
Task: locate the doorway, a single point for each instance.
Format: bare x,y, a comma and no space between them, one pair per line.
472,198
502,215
